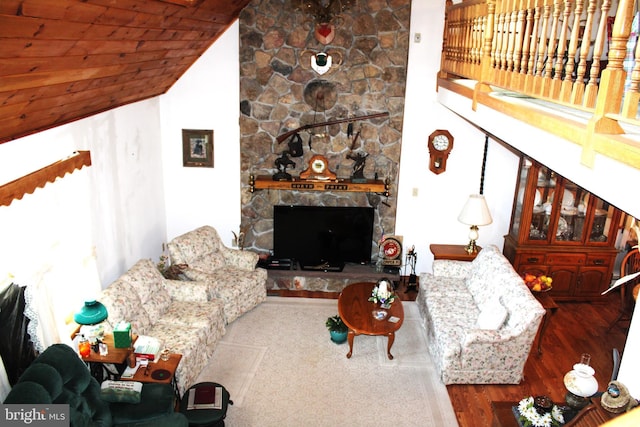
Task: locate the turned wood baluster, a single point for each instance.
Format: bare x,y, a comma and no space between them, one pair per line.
486,66
460,47
552,56
523,31
512,33
632,95
446,42
611,88
477,39
542,47
585,45
567,83
592,87
535,18
500,43
467,35
562,48
493,44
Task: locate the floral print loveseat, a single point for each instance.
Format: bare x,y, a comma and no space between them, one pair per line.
179,314
481,319
231,274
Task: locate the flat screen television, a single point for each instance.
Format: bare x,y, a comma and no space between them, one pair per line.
313,235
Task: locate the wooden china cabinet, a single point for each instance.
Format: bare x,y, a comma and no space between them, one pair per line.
563,231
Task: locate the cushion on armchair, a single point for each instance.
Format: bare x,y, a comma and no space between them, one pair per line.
208,263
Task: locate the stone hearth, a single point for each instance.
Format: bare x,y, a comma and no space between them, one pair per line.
296,280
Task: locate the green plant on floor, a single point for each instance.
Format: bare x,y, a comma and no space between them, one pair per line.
336,324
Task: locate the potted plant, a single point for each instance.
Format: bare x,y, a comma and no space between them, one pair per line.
337,329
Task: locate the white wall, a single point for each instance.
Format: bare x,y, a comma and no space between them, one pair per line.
206,97
431,216
127,201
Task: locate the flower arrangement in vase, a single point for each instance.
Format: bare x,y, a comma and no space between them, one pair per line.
539,412
383,293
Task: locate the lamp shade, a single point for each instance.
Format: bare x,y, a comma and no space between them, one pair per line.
92,312
475,211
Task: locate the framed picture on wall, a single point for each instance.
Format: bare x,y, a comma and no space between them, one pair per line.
197,148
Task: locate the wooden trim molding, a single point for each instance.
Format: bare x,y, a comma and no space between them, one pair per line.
27,184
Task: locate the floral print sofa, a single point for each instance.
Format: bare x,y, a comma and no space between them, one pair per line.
231,274
481,319
180,314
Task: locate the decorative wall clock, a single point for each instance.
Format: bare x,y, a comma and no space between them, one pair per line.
440,145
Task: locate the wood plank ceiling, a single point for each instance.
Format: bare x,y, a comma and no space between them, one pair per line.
62,60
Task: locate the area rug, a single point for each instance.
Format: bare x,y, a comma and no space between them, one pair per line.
281,369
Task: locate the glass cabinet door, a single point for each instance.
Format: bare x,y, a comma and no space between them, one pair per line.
573,210
542,207
521,187
603,216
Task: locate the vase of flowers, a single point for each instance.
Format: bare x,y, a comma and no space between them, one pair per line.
383,293
539,412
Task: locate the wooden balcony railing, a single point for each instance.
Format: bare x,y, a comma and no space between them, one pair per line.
580,54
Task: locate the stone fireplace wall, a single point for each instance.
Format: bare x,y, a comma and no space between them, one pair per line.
279,91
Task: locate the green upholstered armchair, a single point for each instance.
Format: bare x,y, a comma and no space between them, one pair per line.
59,376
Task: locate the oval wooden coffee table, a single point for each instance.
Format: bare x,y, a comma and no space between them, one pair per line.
355,309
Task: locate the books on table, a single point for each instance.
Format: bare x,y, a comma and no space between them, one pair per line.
205,397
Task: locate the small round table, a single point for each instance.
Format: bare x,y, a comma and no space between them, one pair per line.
206,417
355,310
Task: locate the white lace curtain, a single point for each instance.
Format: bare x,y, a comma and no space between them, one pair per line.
47,246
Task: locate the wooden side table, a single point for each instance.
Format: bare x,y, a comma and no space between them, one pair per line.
452,252
161,371
116,356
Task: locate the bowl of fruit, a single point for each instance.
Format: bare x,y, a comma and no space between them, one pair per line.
539,283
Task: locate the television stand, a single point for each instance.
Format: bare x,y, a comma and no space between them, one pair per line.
325,266
272,263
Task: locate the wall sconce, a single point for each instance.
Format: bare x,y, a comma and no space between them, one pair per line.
474,213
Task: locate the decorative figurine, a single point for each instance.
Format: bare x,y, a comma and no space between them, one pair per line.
358,167
282,163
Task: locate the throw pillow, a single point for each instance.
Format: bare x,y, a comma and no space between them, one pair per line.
121,391
492,316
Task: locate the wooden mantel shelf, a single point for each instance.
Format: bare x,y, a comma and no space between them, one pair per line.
265,182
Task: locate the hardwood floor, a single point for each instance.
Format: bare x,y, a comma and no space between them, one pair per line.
575,328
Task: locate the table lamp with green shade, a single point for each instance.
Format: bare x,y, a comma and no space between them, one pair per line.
91,313
90,316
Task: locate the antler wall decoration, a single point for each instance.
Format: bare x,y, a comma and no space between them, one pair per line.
323,13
